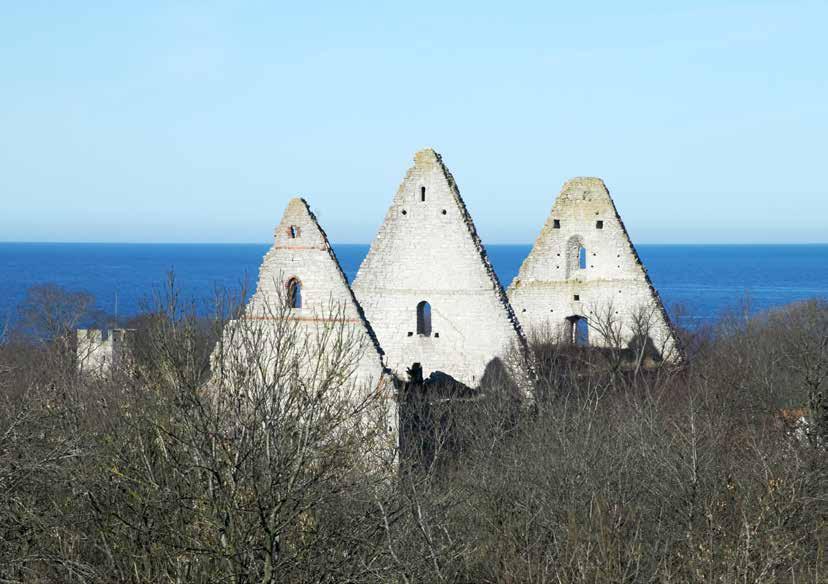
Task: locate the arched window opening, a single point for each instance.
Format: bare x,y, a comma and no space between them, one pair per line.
576,256
293,231
294,293
422,194
424,319
578,331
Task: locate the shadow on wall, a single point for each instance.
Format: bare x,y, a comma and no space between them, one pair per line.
435,412
497,378
642,347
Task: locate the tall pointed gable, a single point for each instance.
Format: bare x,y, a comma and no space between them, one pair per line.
584,266
304,327
301,269
301,254
427,284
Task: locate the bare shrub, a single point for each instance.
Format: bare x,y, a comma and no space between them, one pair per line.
619,473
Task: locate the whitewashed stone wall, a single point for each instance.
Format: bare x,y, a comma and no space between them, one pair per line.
551,287
301,252
427,249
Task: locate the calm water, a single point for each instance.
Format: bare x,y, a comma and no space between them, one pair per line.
705,280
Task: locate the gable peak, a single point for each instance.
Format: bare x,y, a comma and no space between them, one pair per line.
584,188
298,204
299,226
427,157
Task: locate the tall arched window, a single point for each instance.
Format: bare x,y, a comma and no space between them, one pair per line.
424,319
294,293
576,256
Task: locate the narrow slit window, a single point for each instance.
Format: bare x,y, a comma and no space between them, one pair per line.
582,258
293,231
424,319
294,293
422,194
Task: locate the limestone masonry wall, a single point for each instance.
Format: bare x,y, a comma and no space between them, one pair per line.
427,250
426,292
559,283
302,256
304,322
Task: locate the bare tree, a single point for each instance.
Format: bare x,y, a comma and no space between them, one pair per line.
234,474
270,466
50,312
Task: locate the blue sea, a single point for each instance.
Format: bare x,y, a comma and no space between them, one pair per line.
698,283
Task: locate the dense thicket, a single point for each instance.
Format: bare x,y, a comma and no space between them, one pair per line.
617,474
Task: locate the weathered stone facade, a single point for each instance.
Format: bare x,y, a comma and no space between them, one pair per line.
301,270
304,342
426,293
583,266
428,251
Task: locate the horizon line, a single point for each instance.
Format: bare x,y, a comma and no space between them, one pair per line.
747,243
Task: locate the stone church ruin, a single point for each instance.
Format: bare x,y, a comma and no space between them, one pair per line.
427,300
584,283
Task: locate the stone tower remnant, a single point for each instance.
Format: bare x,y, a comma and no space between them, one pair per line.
584,282
100,352
427,285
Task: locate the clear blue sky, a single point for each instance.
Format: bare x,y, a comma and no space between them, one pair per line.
197,121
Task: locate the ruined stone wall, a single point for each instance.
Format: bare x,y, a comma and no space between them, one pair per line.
301,251
427,249
99,352
305,336
551,286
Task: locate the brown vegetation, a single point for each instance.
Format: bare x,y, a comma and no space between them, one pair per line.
618,474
